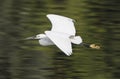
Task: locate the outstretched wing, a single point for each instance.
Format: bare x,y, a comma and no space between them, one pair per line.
61,41
62,24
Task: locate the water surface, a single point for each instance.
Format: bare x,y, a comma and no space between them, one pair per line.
96,22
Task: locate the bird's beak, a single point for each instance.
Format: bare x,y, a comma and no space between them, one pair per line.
31,38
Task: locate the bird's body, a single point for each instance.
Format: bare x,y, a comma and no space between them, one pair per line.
45,40
61,40
62,34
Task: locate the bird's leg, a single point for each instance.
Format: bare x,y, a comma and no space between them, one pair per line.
85,44
94,46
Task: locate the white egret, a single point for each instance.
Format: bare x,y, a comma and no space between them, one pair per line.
62,34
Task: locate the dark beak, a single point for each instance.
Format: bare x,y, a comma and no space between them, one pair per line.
30,38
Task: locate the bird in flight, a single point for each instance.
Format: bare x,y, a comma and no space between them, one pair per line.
62,34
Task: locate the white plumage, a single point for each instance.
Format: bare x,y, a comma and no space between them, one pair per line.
62,34
62,24
61,40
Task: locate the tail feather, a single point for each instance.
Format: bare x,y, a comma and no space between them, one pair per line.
76,40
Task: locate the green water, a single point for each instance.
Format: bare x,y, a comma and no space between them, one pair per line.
97,21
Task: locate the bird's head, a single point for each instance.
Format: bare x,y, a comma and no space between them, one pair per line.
39,36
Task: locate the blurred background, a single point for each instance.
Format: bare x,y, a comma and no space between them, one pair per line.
97,21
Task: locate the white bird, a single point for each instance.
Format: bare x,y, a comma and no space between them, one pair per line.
62,34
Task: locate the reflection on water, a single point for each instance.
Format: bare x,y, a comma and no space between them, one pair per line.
96,22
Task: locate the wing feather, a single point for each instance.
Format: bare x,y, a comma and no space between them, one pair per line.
61,41
62,24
